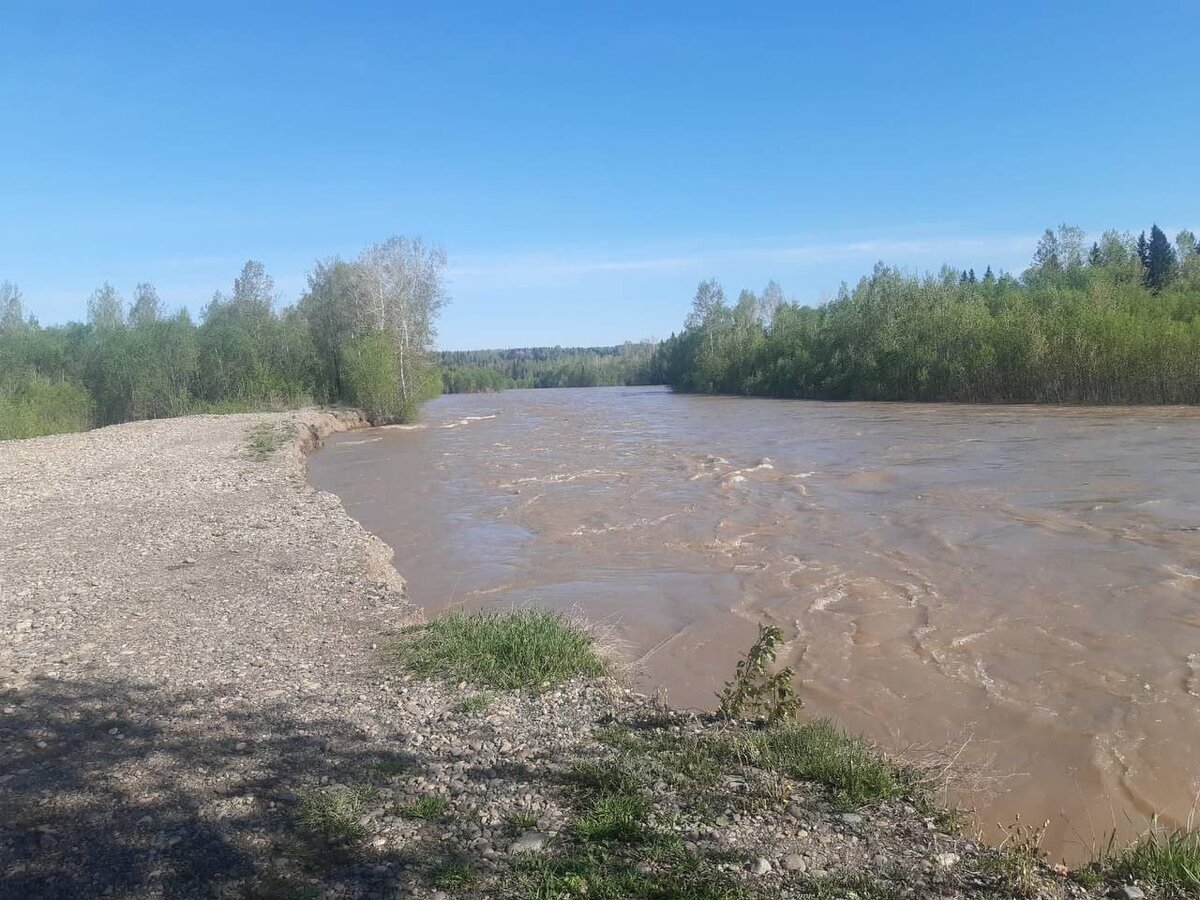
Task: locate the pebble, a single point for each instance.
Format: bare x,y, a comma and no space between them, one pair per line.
946,860
529,842
760,866
794,862
1130,892
852,818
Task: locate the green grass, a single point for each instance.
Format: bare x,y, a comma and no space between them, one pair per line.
263,440
596,874
532,649
1167,860
476,703
522,820
430,807
820,751
616,817
454,873
335,814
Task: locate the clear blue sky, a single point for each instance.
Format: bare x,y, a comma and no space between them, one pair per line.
584,165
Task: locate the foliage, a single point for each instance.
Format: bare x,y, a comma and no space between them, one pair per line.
34,405
522,649
263,440
476,371
754,690
361,333
1118,324
1018,858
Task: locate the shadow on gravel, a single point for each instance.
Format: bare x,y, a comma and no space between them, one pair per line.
115,789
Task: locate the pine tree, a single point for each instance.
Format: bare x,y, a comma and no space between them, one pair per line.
1095,257
971,279
989,277
1143,250
1160,260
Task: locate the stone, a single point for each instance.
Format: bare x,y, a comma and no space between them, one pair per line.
529,842
25,625
760,866
794,862
1129,892
852,818
946,860
795,810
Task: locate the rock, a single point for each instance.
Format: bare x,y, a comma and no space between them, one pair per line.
440,895
760,866
852,818
1129,892
946,860
529,842
794,862
796,811
25,625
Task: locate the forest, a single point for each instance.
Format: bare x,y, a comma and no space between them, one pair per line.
1115,322
360,334
473,371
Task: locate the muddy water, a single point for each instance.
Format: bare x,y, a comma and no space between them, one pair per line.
1025,578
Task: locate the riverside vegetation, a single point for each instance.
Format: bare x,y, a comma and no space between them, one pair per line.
475,371
360,334
1116,323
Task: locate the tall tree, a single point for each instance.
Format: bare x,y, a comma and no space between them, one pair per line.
1095,257
12,310
1160,260
147,307
1046,255
106,310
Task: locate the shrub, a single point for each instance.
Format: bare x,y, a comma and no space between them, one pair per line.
755,691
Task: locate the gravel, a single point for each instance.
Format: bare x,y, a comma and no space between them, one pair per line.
189,654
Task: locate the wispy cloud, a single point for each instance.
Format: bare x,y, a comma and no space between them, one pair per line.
547,267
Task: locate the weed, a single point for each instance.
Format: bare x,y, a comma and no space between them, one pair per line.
755,691
820,751
454,873
1168,860
522,820
528,648
263,440
835,887
336,815
600,875
430,807
615,817
476,703
1018,858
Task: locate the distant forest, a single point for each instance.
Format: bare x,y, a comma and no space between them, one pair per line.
473,371
1113,322
360,334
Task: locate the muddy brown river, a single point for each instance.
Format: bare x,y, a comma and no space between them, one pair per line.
1021,580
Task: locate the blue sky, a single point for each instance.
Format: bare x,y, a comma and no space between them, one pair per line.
584,165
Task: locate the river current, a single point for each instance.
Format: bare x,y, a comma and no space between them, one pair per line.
1020,581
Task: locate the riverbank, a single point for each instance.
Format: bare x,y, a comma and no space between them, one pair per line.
195,702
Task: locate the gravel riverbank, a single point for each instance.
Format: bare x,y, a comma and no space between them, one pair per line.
190,667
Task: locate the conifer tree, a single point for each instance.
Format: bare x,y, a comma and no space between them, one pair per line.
1160,260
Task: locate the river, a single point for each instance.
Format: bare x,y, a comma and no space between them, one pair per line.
1024,581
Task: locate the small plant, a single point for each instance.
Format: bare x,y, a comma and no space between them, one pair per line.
528,648
336,815
522,820
476,703
756,692
454,873
1019,856
430,807
615,817
1166,859
263,440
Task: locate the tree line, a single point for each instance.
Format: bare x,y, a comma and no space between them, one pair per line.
1114,322
474,371
361,334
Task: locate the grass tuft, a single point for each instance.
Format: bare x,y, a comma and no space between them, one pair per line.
1167,860
476,703
336,814
430,807
532,649
820,751
263,440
